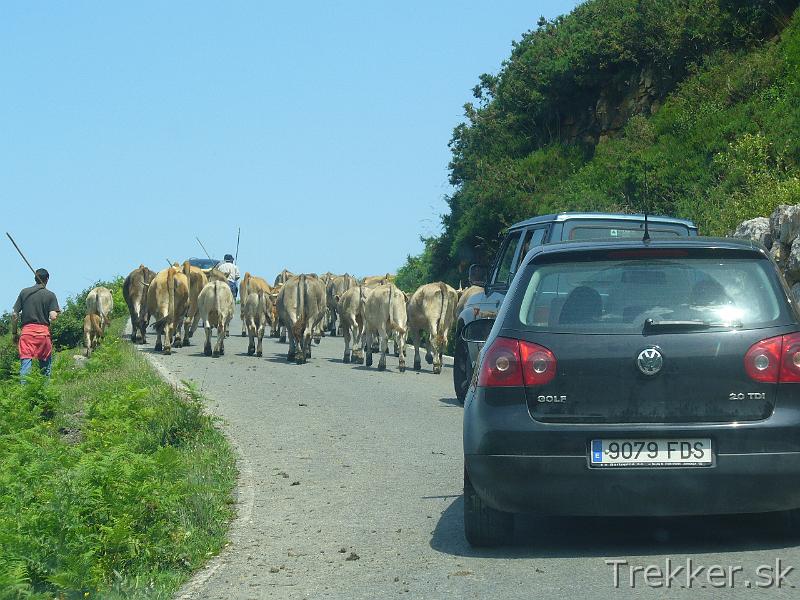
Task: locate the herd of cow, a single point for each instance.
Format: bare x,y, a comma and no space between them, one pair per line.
368,313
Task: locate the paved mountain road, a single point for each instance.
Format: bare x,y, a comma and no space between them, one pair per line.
351,488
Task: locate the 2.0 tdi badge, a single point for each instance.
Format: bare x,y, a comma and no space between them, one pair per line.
650,361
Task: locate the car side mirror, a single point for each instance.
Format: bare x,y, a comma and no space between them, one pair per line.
477,331
477,275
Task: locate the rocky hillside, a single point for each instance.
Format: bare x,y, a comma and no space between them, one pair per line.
681,107
780,233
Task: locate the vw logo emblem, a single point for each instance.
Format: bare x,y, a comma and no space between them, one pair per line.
650,361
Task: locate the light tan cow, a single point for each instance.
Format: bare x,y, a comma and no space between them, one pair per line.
385,316
465,295
214,274
431,310
216,306
301,307
256,313
93,332
251,283
276,330
168,303
350,307
100,302
197,281
335,288
373,281
134,290
283,277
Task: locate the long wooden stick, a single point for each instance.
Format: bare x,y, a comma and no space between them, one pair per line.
238,235
25,259
203,247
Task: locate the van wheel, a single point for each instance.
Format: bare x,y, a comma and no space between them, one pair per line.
483,525
462,368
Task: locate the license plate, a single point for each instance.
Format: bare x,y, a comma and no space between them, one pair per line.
695,452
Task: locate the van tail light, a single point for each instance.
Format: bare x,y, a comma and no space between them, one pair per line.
508,363
774,360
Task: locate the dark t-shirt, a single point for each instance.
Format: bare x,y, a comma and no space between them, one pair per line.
35,304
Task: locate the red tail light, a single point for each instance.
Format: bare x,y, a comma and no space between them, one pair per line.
538,364
774,360
500,366
515,363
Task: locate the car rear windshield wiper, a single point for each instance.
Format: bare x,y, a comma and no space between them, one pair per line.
653,325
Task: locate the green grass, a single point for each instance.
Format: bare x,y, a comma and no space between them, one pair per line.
112,484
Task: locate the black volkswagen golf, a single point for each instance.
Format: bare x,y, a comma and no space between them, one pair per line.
635,378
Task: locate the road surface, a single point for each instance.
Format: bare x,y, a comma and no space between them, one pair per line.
351,488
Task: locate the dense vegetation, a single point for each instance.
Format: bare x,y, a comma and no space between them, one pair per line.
112,484
680,107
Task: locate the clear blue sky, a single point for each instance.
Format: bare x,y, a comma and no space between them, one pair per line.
319,128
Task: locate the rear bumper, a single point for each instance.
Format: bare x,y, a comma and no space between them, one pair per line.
565,485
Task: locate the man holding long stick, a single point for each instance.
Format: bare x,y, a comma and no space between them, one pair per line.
36,306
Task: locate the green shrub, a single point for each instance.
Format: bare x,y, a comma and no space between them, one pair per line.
111,485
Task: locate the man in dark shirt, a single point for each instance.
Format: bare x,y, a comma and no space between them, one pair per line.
36,306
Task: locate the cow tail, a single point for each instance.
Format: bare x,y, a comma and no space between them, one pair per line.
171,293
442,314
389,325
301,299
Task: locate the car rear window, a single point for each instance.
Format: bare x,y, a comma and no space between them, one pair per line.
586,233
618,296
595,230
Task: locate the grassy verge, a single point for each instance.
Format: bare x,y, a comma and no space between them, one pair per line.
111,484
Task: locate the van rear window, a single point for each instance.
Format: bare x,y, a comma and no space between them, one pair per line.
618,296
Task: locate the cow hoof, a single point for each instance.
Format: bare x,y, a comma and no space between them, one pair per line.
215,354
417,365
158,347
250,351
429,359
402,368
167,351
207,350
437,370
259,354
361,360
346,359
244,334
369,361
381,366
317,341
290,356
186,343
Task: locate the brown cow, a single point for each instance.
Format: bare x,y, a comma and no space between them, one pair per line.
134,290
350,307
335,288
301,307
256,313
385,315
93,331
251,283
168,303
431,310
197,281
283,277
216,306
100,302
373,281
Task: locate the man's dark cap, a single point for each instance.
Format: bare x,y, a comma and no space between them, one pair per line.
42,275
229,257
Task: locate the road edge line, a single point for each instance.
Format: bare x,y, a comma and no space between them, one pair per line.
245,494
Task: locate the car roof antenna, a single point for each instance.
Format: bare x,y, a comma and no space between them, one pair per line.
646,237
